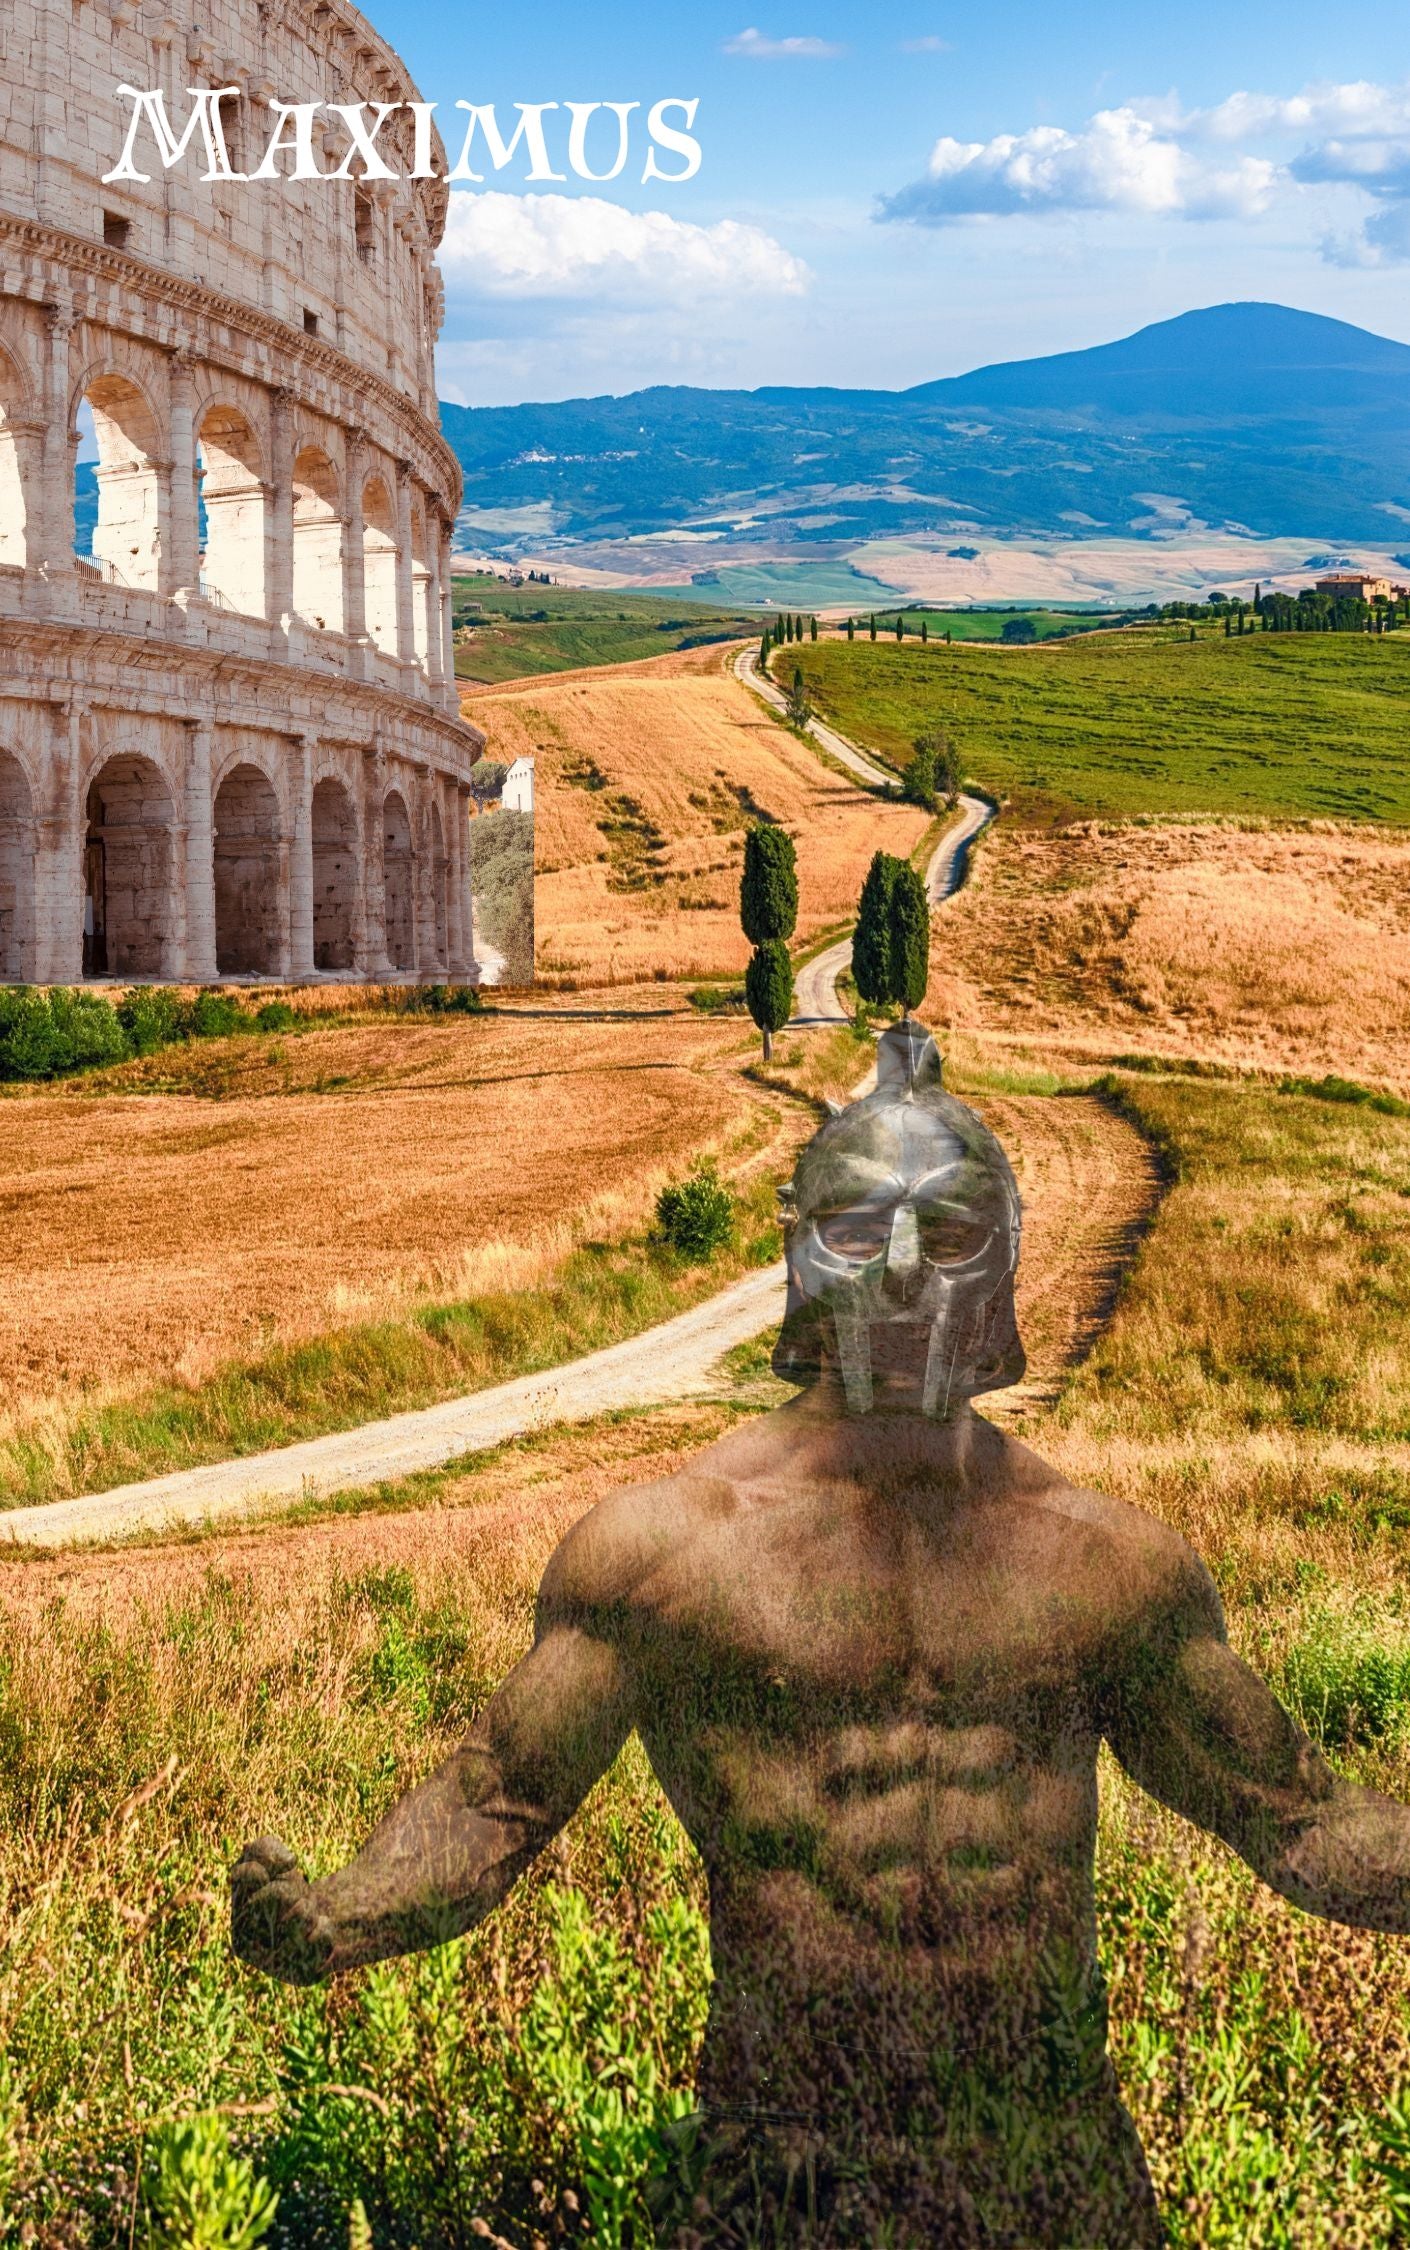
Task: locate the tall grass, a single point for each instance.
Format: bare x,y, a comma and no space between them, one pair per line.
1253,1388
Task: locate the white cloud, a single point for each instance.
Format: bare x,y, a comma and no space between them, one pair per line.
1358,107
1380,167
762,49
1119,161
583,246
930,45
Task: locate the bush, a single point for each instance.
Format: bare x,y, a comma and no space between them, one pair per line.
446,1000
49,1034
217,1015
1019,631
1345,1687
696,1215
153,1018
276,1015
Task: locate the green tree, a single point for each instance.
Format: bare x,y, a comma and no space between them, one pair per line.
1019,631
910,938
800,710
934,770
873,625
768,890
768,989
851,628
812,628
900,626
871,939
764,649
924,630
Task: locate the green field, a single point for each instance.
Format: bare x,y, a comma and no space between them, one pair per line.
522,632
1287,726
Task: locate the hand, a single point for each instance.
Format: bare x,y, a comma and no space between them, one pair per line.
276,1921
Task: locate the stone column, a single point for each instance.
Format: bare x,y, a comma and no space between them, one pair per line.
372,961
435,605
301,859
201,964
406,590
183,564
467,891
55,540
449,692
456,949
354,584
58,853
279,513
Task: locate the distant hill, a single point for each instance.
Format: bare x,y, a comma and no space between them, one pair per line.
1248,417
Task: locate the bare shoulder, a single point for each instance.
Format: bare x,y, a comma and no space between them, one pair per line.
1148,1569
627,1536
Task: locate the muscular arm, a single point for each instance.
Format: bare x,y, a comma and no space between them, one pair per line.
1203,1733
449,1850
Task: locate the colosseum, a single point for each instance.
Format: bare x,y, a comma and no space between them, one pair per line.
230,743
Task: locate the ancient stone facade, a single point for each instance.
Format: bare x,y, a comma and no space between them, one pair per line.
230,742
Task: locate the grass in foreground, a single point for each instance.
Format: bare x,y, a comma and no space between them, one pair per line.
1276,725
1254,1388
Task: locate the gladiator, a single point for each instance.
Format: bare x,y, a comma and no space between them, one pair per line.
872,1645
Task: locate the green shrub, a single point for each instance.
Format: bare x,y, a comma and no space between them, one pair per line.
276,1015
49,1034
217,1015
153,1018
1345,1687
201,2197
696,1215
445,1000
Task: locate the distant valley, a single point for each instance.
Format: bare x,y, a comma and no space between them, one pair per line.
1227,441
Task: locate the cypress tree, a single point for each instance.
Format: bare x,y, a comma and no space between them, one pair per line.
910,937
812,628
768,890
851,628
764,647
873,626
924,631
871,939
900,626
768,989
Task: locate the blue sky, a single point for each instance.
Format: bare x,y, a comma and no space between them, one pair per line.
882,201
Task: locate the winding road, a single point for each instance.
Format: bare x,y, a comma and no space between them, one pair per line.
1088,1182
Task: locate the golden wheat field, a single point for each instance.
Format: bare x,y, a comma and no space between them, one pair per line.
218,1198
648,775
1282,950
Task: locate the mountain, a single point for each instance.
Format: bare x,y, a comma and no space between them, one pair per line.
1245,417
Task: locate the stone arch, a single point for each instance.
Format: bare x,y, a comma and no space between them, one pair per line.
128,866
232,495
318,541
335,876
16,872
398,881
249,914
439,871
14,506
425,621
127,537
379,564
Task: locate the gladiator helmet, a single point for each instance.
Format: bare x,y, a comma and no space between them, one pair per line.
902,1230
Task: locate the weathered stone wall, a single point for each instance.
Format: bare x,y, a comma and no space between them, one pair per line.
203,724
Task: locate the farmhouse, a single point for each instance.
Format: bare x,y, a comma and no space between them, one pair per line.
1360,585
230,742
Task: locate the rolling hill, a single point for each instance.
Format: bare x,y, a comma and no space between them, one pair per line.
1250,418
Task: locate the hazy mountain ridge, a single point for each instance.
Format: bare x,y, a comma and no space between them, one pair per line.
1243,417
